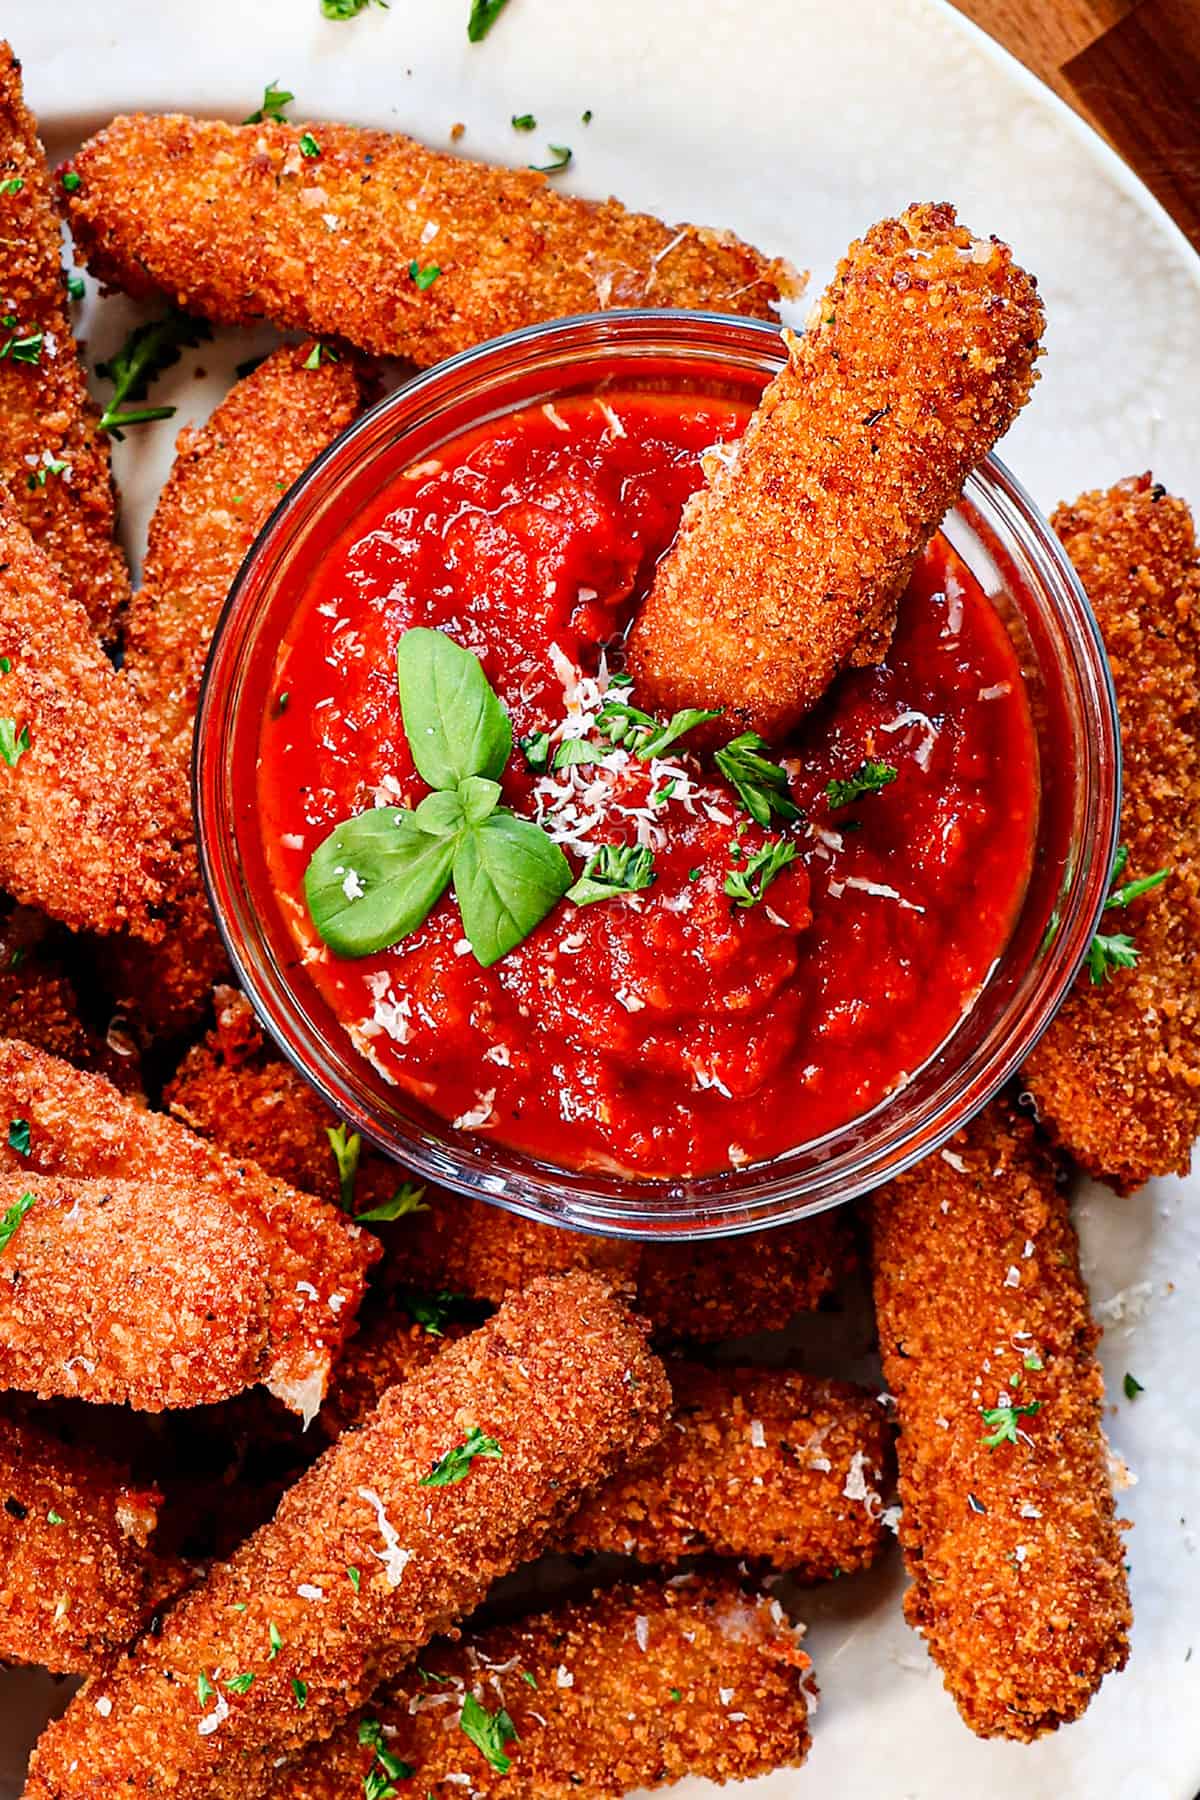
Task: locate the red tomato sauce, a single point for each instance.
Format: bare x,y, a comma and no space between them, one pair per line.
672,1032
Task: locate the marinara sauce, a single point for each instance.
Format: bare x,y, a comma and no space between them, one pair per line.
671,1032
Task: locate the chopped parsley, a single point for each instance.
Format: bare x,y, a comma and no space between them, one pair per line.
299,1690
347,9
868,778
240,1684
204,1688
675,1694
347,1149
1002,1422
318,354
385,1768
1132,1386
1032,1360
530,1678
49,465
274,1640
747,886
536,750
1117,950
455,1466
75,287
586,117
484,14
23,347
309,145
18,1136
72,182
13,185
561,154
273,102
573,751
423,278
354,1577
629,728
524,122
13,743
5,665
435,1311
54,1518
146,352
488,1732
281,703
407,1199
761,784
614,869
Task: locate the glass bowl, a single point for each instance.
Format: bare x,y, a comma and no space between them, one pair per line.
1007,545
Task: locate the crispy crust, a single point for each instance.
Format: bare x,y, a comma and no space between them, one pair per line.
91,817
44,406
73,1594
637,1687
1018,1569
235,223
789,565
316,1262
1117,1076
234,1090
38,1002
560,1378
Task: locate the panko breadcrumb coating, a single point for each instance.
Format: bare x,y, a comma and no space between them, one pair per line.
634,1688
90,820
237,224
77,1579
362,1563
1017,1564
1117,1076
227,478
788,566
54,459
765,1464
81,1128
130,1293
252,1103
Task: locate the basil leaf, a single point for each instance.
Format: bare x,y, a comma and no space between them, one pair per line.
375,879
479,798
454,723
441,815
507,876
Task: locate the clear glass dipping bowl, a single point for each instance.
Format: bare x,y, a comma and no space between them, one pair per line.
1010,549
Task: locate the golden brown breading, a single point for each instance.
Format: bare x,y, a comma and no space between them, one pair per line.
560,1379
82,1129
90,815
388,1348
237,224
766,1464
38,1002
789,565
131,1293
77,1580
1117,1076
252,1103
633,1688
53,458
1017,1565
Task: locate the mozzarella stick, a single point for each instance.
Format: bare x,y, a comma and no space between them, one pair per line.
54,459
90,816
78,1580
634,1688
989,1349
315,1260
1117,1076
399,1530
789,565
375,239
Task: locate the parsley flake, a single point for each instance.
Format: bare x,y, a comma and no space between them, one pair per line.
407,1199
354,1577
455,1466
347,9
75,287
629,728
1032,1360
23,347
536,750
675,1694
435,1311
528,1677
385,1767
747,886
1132,1386
72,182
1002,1421
54,1518
423,278
300,1691
13,185
524,122
274,1640
614,869
204,1688
318,354
18,1136
488,1732
308,145
761,783
484,14
12,1218
868,778
146,352
347,1149
49,465
1118,950
273,102
240,1684
13,743
5,665
562,155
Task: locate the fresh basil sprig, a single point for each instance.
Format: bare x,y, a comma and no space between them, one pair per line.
378,876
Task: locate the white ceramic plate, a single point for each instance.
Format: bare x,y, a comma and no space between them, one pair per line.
796,122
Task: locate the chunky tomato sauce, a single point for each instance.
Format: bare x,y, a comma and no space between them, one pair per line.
670,1032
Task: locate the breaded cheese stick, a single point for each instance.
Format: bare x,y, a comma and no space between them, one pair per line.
130,1293
78,1580
90,817
989,1349
634,1688
237,223
398,1531
766,1464
54,459
1117,1075
789,564
82,1129
227,478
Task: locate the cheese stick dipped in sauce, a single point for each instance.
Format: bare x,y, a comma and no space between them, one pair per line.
398,1531
788,566
78,1579
374,238
1117,1076
637,1687
989,1350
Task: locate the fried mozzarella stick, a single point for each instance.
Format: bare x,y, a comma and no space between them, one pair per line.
54,459
789,565
396,248
399,1530
989,1349
77,1579
315,1261
634,1688
1117,1076
90,821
